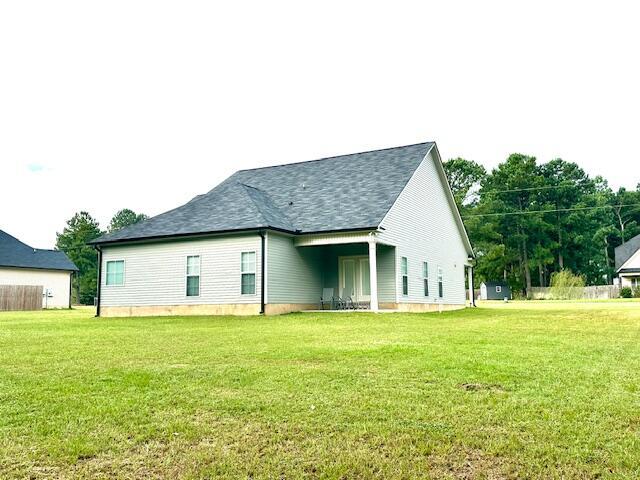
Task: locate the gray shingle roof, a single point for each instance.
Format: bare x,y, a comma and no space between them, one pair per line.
338,193
625,251
14,253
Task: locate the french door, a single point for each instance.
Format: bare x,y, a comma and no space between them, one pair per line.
354,278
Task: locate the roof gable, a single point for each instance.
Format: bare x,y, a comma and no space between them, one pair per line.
14,253
627,250
347,192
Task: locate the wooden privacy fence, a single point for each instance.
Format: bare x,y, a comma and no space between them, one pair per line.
587,293
20,297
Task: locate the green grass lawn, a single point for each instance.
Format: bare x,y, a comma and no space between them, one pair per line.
507,391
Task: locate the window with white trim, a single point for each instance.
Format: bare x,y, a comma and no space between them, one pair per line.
193,276
440,282
404,270
425,278
248,273
498,289
115,272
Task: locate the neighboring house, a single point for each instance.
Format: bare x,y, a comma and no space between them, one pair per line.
21,264
628,263
380,227
495,291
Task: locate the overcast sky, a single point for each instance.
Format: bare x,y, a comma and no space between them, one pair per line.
107,105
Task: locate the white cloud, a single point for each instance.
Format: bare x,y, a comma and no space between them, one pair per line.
146,104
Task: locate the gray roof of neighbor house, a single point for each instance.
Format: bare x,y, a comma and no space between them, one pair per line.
625,251
347,192
14,253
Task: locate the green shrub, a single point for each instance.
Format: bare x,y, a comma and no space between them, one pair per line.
566,286
626,292
636,292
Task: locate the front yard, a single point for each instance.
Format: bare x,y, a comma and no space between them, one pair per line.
524,390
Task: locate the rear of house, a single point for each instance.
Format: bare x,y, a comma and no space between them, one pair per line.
21,265
374,230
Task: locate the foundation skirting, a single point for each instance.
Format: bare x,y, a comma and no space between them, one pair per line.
168,310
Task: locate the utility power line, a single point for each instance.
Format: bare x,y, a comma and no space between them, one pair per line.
554,210
529,189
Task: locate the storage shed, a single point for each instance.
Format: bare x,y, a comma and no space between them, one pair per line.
495,291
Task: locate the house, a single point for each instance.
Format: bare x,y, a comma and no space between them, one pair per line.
628,263
495,291
378,227
21,264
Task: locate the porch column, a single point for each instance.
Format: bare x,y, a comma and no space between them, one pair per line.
472,301
373,274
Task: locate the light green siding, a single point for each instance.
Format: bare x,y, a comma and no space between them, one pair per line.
386,257
421,224
155,273
294,275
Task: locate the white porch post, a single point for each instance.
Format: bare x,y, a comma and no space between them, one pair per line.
472,302
373,274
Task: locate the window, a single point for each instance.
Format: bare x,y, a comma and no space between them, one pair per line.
498,289
248,273
440,280
115,272
193,276
425,278
404,269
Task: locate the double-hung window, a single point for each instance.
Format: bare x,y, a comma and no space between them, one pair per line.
404,270
115,272
425,278
193,276
440,282
248,273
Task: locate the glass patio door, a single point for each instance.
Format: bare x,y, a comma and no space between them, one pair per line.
354,278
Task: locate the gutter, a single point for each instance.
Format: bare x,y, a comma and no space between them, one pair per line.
262,269
99,279
180,236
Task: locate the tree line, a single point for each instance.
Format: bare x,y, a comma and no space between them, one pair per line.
527,220
81,229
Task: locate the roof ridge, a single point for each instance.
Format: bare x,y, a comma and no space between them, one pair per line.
255,205
334,156
258,206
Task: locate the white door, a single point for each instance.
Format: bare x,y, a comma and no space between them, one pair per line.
354,278
348,278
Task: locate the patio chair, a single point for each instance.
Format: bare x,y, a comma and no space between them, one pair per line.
350,304
327,299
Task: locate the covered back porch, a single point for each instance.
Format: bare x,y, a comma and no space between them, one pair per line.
356,272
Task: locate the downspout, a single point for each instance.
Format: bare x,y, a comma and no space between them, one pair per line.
99,280
262,269
473,291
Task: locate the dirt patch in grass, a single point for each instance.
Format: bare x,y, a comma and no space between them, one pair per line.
478,387
469,464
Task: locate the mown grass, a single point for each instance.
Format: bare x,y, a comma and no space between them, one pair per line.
525,390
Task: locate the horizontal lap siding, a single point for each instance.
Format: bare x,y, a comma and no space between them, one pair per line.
386,274
294,274
155,274
422,225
